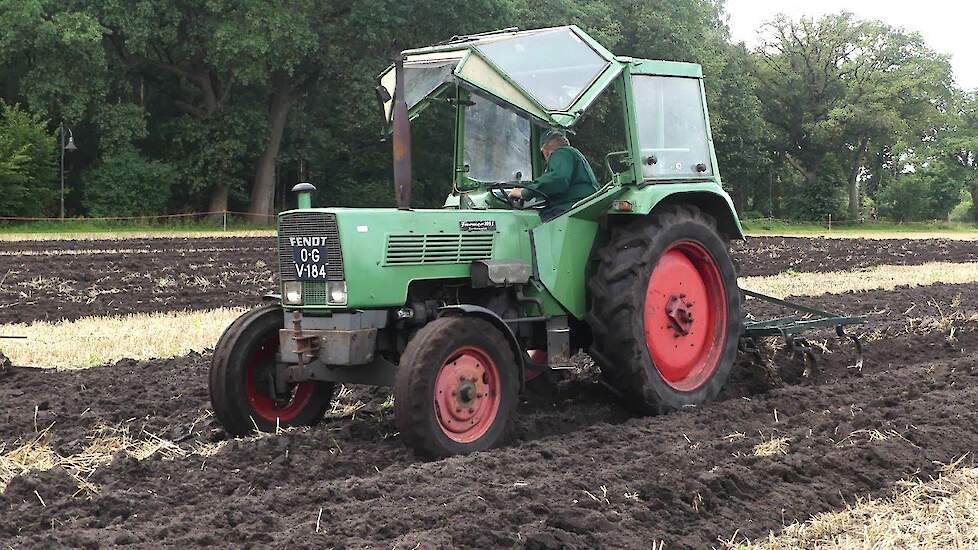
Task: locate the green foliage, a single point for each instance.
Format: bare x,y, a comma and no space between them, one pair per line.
843,87
59,53
814,201
927,194
120,125
28,173
201,85
128,184
906,200
959,144
965,211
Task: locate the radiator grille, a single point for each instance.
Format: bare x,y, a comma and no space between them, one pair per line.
438,248
314,294
309,224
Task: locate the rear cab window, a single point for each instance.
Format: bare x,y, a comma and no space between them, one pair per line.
672,129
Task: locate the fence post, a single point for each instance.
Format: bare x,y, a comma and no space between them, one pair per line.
225,220
830,221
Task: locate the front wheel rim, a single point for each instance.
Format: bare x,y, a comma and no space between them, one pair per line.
467,394
685,315
259,364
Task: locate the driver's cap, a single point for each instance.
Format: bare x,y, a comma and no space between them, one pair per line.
550,134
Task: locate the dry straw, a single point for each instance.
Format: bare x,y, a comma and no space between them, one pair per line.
774,446
105,443
941,514
93,341
880,277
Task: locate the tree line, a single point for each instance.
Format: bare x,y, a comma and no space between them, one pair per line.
180,106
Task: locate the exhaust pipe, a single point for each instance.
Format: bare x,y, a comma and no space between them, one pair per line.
402,140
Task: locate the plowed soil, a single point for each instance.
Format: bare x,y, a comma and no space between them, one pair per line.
56,280
580,473
773,255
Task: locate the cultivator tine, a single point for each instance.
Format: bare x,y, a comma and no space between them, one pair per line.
751,346
799,347
841,331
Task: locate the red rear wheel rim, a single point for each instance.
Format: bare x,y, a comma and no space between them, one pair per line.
257,386
685,315
467,394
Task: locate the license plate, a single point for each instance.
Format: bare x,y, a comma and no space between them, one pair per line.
309,258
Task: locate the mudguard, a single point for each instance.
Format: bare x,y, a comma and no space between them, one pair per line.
498,322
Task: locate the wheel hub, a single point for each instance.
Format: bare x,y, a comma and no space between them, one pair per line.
680,314
260,387
685,315
466,395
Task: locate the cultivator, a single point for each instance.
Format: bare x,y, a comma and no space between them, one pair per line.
790,327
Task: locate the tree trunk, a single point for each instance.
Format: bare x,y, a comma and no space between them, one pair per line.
855,206
739,198
973,189
854,210
219,200
262,198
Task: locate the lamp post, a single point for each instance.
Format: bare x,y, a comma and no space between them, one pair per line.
70,146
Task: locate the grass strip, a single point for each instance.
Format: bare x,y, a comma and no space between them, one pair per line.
113,235
878,277
93,341
941,514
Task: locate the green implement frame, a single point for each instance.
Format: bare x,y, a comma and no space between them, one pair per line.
789,327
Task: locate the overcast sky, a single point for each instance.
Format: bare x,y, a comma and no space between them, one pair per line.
948,26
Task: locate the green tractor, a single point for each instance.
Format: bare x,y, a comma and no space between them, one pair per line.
457,308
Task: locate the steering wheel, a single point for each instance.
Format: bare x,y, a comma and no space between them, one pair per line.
498,190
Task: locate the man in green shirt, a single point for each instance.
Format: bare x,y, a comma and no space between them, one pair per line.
567,179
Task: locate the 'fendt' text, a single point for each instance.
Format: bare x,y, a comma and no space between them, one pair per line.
307,241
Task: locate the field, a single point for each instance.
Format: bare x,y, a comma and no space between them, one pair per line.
128,453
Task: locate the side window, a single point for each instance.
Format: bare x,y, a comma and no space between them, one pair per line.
671,127
497,142
601,130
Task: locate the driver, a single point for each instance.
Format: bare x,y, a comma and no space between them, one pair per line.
567,179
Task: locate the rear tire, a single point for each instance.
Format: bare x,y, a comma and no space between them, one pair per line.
665,311
456,388
242,379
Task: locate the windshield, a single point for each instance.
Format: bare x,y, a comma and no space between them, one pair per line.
497,142
671,127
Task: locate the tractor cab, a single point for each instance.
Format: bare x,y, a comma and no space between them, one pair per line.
508,88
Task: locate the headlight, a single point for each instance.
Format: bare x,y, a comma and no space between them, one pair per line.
293,293
336,293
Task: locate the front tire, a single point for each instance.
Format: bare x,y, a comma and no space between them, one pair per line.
242,379
665,311
456,388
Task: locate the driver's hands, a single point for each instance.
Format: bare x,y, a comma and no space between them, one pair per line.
516,193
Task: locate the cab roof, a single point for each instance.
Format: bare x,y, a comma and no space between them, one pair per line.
552,75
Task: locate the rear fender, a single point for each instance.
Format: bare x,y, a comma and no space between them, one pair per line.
469,310
708,197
